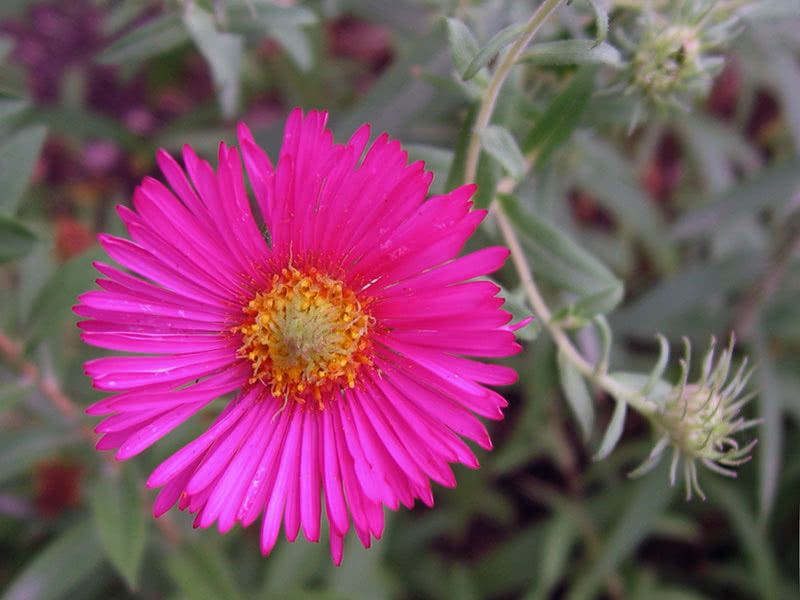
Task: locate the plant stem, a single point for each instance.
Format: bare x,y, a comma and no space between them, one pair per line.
496,83
565,346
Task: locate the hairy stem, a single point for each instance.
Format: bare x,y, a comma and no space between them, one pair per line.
496,83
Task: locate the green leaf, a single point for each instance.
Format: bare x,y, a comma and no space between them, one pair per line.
600,170
601,18
18,154
556,258
577,394
223,53
63,564
54,301
295,43
613,431
16,240
556,124
502,146
21,449
500,40
463,45
117,509
151,39
202,573
572,52
438,160
773,187
12,393
650,499
10,105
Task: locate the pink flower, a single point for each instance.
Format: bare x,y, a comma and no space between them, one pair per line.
337,326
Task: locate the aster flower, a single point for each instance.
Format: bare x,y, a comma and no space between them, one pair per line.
333,323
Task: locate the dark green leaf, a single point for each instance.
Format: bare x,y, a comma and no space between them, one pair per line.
502,146
202,573
16,240
18,154
556,124
118,514
500,40
647,504
63,564
572,52
154,37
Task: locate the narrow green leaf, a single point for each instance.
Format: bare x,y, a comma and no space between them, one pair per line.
572,52
773,187
599,303
16,240
463,45
54,301
118,515
258,17
502,146
18,154
500,40
223,53
600,170
60,566
295,42
12,393
202,573
556,124
556,257
10,105
613,431
154,37
580,401
21,449
648,502
771,433
601,19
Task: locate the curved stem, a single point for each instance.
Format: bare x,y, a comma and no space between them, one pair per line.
496,83
565,346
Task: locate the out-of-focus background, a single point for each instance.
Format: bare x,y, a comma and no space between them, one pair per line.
677,166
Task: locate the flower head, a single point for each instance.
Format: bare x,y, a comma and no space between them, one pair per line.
699,420
332,323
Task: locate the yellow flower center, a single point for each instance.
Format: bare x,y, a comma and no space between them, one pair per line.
305,335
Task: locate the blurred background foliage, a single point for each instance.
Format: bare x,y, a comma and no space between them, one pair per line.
670,169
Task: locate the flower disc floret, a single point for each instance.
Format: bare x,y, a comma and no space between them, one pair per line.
304,335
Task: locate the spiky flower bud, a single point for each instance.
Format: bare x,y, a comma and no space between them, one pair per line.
699,420
677,55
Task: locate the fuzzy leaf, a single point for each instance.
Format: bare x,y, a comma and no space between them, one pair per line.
577,394
502,146
463,45
613,431
500,40
572,52
601,19
223,53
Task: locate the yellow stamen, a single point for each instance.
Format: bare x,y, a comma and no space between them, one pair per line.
305,336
